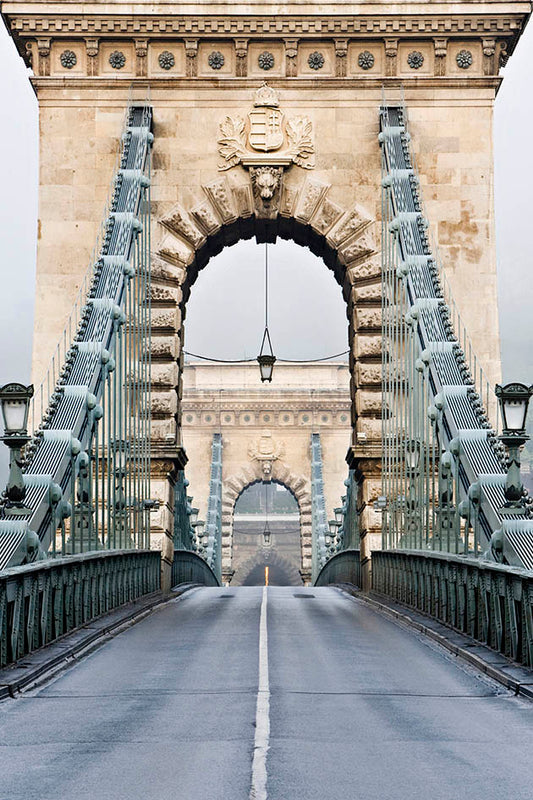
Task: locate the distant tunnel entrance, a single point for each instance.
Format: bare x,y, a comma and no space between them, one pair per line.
266,533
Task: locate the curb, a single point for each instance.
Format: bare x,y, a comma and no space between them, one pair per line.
497,666
42,664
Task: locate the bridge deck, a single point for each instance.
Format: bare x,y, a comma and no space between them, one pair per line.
357,706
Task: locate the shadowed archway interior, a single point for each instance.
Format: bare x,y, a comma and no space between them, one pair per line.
266,534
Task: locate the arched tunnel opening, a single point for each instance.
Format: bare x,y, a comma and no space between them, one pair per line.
266,536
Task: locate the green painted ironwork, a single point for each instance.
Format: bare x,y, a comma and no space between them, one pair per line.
490,602
443,467
87,467
212,550
319,524
342,567
184,535
42,601
188,567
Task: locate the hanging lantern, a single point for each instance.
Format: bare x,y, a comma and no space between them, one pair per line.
267,535
266,358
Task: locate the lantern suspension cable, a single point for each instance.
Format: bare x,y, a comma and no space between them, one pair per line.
266,531
266,358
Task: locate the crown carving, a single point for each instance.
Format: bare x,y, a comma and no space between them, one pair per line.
266,96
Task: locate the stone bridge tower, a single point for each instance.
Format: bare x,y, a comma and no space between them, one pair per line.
298,157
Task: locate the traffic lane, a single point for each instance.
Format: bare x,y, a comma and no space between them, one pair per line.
362,708
165,709
325,637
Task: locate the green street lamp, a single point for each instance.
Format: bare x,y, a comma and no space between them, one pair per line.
15,401
334,529
514,400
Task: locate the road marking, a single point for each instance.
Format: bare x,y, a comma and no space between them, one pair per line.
262,713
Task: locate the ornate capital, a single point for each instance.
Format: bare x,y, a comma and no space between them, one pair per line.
341,51
241,55
91,48
441,51
391,52
291,51
490,67
489,47
141,51
43,48
191,51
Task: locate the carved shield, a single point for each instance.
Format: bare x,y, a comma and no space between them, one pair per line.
266,132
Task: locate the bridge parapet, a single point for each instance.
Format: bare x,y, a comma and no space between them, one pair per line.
42,601
490,602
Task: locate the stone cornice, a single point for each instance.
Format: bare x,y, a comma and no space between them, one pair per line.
429,82
273,407
315,26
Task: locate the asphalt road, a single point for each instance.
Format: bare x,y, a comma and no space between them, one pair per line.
352,707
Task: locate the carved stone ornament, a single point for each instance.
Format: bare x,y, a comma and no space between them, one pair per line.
117,59
415,59
259,140
316,60
266,450
166,59
266,60
216,59
464,59
366,59
68,59
266,184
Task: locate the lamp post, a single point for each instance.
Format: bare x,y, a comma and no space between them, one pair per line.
514,400
412,468
121,511
15,401
334,528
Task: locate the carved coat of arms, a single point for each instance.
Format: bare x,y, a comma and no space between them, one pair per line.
266,450
266,133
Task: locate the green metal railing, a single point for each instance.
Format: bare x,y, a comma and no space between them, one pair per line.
343,567
490,602
188,567
40,602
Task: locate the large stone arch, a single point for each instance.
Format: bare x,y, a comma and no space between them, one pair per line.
298,485
301,209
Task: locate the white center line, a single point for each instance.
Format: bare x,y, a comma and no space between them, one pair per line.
258,790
